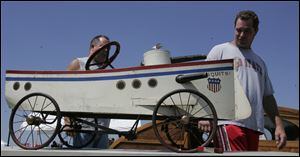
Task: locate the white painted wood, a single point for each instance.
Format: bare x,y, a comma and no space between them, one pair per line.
97,92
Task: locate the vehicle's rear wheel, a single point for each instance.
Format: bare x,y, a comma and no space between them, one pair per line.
175,120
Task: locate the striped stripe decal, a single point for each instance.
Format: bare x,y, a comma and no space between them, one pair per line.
118,77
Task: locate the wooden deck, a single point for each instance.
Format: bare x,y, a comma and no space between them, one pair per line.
146,138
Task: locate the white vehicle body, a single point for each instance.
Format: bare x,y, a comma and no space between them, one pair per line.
96,92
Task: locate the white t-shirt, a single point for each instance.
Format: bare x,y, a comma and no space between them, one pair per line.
82,62
253,75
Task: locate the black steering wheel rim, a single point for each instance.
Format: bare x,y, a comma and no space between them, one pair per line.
108,60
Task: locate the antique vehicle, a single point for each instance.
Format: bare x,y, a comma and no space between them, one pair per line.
175,93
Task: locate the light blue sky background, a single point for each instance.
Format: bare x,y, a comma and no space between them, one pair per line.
48,35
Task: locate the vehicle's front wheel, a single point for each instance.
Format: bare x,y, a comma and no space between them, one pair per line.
35,121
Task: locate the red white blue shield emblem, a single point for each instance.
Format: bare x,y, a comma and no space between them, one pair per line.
214,84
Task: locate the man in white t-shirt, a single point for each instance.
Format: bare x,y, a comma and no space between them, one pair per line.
96,43
252,72
101,139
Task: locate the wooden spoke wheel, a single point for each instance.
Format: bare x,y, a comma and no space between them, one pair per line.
35,121
175,120
78,134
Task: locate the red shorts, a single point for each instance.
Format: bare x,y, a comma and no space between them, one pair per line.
235,138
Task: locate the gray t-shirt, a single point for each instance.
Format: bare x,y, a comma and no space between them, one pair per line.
253,75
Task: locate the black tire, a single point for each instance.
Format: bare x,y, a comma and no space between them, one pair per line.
30,118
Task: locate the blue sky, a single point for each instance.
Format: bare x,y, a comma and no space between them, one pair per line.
48,35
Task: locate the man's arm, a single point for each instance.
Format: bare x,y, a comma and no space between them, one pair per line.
74,65
270,107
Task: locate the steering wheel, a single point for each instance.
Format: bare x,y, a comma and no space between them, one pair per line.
101,58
